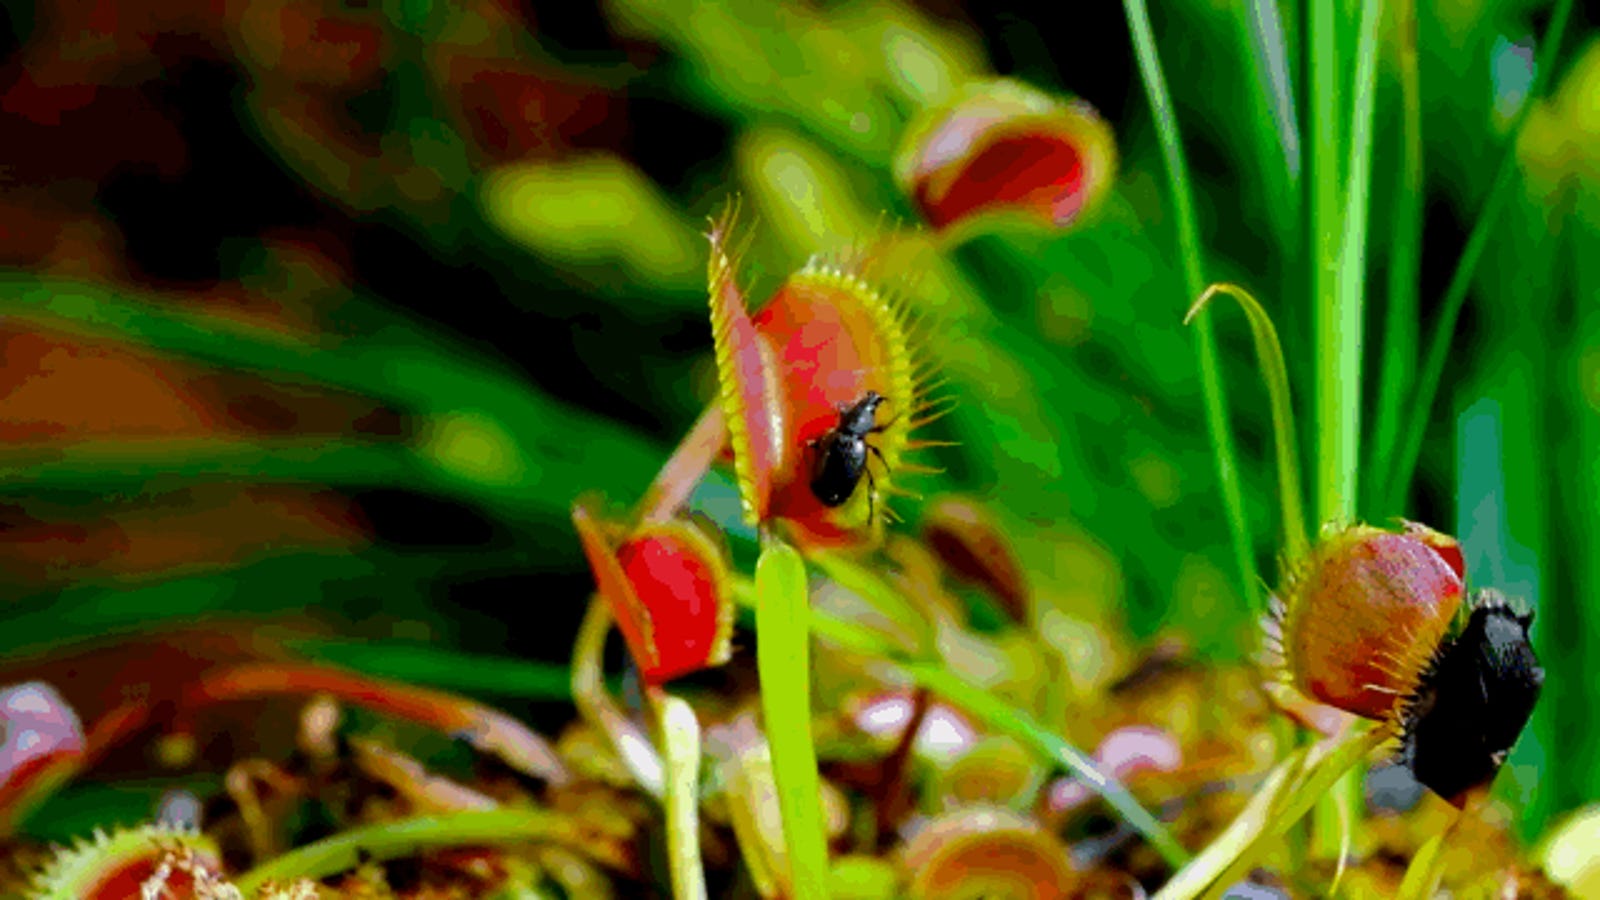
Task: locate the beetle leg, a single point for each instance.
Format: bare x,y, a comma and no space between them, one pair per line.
879,454
872,487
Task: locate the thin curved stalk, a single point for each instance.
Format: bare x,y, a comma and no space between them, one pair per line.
1211,386
688,464
1405,464
1275,373
598,709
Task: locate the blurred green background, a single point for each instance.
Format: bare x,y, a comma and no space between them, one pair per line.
317,317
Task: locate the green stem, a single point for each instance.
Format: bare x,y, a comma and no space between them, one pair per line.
1324,235
1211,387
595,705
1422,876
345,851
1331,762
1405,465
783,663
1224,849
678,733
1339,325
1400,315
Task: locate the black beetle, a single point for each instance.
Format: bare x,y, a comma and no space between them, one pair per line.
841,454
1473,702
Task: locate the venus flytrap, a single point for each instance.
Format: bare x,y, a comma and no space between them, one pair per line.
1354,583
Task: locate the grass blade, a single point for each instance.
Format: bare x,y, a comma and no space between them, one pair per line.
1216,406
1422,876
470,409
1275,373
783,663
348,849
438,667
1274,119
1330,762
126,464
1339,324
1398,484
1324,234
1400,332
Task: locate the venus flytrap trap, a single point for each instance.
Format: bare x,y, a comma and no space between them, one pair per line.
120,863
1004,146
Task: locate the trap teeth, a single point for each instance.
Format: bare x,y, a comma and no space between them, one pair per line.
114,865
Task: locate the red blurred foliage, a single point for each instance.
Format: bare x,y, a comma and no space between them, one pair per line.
1032,171
1003,146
